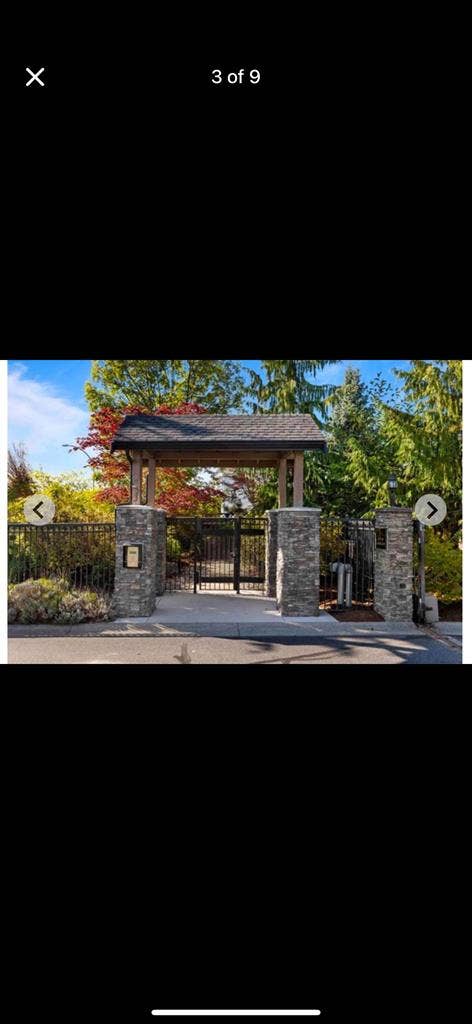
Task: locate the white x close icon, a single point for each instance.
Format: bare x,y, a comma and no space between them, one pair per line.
35,77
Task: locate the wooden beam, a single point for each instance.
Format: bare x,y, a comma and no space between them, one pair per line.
298,480
211,456
222,463
283,482
151,487
136,473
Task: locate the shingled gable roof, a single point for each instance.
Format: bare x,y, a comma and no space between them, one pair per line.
271,432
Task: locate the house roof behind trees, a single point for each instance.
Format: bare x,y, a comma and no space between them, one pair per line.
264,432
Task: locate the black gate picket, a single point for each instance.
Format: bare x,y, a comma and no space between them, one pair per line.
215,553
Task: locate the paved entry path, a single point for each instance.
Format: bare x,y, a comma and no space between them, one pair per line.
224,628
222,614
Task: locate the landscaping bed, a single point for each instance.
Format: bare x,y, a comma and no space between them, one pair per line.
54,601
355,615
450,612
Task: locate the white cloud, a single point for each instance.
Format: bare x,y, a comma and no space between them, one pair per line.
43,421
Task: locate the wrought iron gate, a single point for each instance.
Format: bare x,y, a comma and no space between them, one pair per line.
215,553
347,558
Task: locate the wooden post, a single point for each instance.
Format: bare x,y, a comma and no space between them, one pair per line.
283,482
136,474
298,480
151,488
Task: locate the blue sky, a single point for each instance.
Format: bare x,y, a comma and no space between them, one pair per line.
47,408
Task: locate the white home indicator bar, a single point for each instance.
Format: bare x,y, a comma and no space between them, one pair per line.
236,1013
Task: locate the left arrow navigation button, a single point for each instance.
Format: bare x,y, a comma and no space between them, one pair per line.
39,509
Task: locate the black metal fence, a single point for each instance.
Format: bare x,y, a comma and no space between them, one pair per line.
81,553
419,579
347,559
215,553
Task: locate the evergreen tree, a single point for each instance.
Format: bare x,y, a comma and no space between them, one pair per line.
425,430
287,387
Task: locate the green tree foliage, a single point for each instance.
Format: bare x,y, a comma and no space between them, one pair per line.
425,431
75,500
412,430
443,568
352,479
148,383
290,386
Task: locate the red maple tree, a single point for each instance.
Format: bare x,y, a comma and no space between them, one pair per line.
175,490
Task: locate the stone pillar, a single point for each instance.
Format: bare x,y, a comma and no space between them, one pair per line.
393,580
298,561
270,588
135,589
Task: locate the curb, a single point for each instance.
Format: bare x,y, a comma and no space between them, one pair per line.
241,630
453,642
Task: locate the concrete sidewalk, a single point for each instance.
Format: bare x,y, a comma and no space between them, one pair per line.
220,614
448,628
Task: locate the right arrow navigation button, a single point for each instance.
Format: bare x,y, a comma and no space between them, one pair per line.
431,514
430,509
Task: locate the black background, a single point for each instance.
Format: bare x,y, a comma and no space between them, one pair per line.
322,203
227,840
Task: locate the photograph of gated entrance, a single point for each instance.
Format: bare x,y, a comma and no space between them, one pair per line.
162,563
304,559
226,441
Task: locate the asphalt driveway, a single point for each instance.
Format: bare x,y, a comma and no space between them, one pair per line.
374,649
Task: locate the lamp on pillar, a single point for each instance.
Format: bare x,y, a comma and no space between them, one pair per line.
392,488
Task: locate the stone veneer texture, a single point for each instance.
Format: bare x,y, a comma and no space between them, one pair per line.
135,589
298,561
393,579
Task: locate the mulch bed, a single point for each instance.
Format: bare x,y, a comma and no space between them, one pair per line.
355,615
450,612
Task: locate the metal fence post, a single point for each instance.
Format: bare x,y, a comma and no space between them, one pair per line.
237,554
421,574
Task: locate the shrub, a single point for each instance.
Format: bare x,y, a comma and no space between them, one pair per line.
46,600
443,566
174,547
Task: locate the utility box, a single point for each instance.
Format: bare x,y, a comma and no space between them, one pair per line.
431,609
